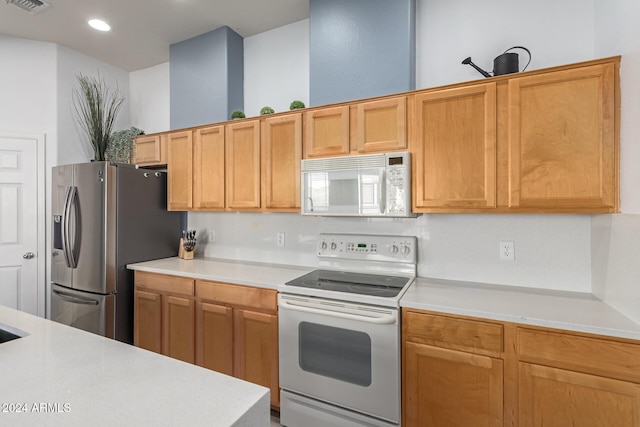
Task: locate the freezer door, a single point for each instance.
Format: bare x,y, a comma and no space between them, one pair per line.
89,312
62,182
88,235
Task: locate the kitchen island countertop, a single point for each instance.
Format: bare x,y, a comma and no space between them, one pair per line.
57,375
239,272
573,311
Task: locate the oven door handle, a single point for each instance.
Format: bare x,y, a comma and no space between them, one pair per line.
381,319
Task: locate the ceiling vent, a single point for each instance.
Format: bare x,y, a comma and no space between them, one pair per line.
31,6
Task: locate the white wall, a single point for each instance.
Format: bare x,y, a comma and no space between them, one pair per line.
149,93
556,33
276,68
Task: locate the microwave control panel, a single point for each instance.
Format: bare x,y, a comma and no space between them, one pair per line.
397,176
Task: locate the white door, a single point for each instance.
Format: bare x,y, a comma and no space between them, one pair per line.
22,196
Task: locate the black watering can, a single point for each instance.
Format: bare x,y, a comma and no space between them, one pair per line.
506,63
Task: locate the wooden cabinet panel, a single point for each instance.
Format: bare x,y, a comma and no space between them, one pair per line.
562,139
281,139
451,388
164,283
326,132
150,150
460,334
238,295
243,165
214,337
256,350
609,358
381,125
179,336
147,331
553,397
209,168
453,144
180,171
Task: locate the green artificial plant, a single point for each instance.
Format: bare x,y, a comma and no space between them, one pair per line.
96,106
266,110
296,104
237,114
121,143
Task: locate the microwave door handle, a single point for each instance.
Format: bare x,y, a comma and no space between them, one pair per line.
382,193
310,204
382,320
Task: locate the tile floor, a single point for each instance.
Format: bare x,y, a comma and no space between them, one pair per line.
275,419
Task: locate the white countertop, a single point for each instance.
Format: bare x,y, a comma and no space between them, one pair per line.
62,376
243,273
581,312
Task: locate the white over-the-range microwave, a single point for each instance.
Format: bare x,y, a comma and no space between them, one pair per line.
374,185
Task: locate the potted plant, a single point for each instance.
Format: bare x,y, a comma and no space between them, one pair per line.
237,114
266,110
296,104
96,106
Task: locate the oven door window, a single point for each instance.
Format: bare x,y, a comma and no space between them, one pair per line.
337,353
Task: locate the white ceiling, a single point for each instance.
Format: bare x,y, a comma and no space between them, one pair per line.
142,30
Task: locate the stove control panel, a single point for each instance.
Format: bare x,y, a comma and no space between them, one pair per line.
368,247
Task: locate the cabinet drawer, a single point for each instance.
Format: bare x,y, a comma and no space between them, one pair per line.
164,283
238,295
592,355
449,332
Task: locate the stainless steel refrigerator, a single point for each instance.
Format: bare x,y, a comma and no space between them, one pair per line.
105,216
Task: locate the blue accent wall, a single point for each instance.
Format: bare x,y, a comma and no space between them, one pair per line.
360,49
206,78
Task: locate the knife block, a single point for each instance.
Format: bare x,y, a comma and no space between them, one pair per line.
182,253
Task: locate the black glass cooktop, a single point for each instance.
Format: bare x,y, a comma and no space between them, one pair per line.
355,283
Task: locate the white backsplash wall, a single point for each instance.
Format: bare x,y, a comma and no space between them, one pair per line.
551,251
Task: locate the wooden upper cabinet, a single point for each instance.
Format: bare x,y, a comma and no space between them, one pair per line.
150,150
327,132
179,171
381,126
243,165
209,168
281,139
453,145
562,140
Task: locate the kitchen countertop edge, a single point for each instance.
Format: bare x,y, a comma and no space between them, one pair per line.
572,311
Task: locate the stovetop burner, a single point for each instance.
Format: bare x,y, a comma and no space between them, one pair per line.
350,282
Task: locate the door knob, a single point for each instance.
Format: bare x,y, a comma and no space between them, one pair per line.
28,255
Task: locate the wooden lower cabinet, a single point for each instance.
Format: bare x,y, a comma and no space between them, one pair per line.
164,315
460,371
451,388
552,397
256,350
214,343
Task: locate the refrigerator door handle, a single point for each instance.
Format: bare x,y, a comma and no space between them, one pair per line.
65,227
69,239
75,299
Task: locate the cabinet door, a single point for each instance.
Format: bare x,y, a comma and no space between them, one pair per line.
281,139
148,150
179,330
179,171
243,165
147,321
552,397
326,132
208,168
214,337
381,125
453,143
562,140
451,388
256,350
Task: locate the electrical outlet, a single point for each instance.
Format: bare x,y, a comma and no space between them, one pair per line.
212,236
280,239
507,250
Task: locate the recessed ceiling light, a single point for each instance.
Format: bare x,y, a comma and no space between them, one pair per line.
99,25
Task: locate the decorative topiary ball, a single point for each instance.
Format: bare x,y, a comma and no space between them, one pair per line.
266,110
237,114
296,104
